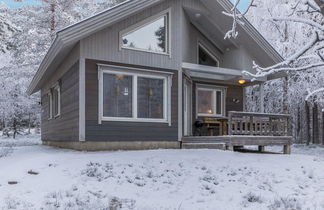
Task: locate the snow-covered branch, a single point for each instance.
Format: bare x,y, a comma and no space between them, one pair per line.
237,18
312,93
300,60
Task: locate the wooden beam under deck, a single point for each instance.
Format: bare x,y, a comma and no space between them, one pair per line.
241,140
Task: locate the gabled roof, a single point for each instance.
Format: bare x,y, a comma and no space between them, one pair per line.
67,38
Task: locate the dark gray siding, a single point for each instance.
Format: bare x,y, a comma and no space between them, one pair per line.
125,131
65,127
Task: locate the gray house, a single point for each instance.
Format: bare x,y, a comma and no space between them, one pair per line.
155,74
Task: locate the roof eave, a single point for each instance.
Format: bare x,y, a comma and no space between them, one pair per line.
52,52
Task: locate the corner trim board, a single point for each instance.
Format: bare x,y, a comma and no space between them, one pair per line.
82,96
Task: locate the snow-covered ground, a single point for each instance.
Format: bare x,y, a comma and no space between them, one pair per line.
160,179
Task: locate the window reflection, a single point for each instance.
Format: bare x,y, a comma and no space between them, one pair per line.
150,37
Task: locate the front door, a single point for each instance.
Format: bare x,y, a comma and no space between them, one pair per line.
187,108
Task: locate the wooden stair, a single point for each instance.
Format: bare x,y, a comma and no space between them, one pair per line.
220,146
203,142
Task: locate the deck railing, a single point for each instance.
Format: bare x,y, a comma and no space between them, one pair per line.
258,124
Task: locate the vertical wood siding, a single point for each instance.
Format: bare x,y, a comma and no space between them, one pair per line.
126,131
104,45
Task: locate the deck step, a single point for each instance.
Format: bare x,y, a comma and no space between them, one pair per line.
204,145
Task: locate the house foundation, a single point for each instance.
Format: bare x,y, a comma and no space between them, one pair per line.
113,145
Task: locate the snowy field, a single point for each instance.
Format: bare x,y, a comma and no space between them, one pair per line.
49,178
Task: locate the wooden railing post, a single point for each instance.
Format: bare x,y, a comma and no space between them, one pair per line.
230,125
251,125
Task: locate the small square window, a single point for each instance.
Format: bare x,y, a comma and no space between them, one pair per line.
210,101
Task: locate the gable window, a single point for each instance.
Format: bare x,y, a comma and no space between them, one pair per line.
205,57
210,101
130,95
151,35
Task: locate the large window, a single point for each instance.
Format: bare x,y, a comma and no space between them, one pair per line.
205,57
130,95
210,101
150,35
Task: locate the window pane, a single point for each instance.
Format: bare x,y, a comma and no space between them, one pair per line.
117,95
219,102
151,37
150,98
206,59
205,102
55,101
49,106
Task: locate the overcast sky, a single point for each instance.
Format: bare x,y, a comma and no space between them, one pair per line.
14,4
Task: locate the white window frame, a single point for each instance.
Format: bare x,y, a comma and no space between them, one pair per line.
200,44
143,23
58,89
213,89
135,73
50,105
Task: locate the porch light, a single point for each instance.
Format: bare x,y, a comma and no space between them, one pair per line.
242,81
210,111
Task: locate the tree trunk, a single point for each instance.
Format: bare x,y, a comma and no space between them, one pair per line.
14,128
29,123
322,128
315,124
308,136
285,96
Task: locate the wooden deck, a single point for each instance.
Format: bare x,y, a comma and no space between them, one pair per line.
247,129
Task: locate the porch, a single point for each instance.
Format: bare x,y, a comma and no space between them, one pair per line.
246,129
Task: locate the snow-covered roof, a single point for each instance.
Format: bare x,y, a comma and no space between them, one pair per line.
67,38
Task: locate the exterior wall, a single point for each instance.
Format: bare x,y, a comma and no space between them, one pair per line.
191,37
126,131
104,45
66,126
238,58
